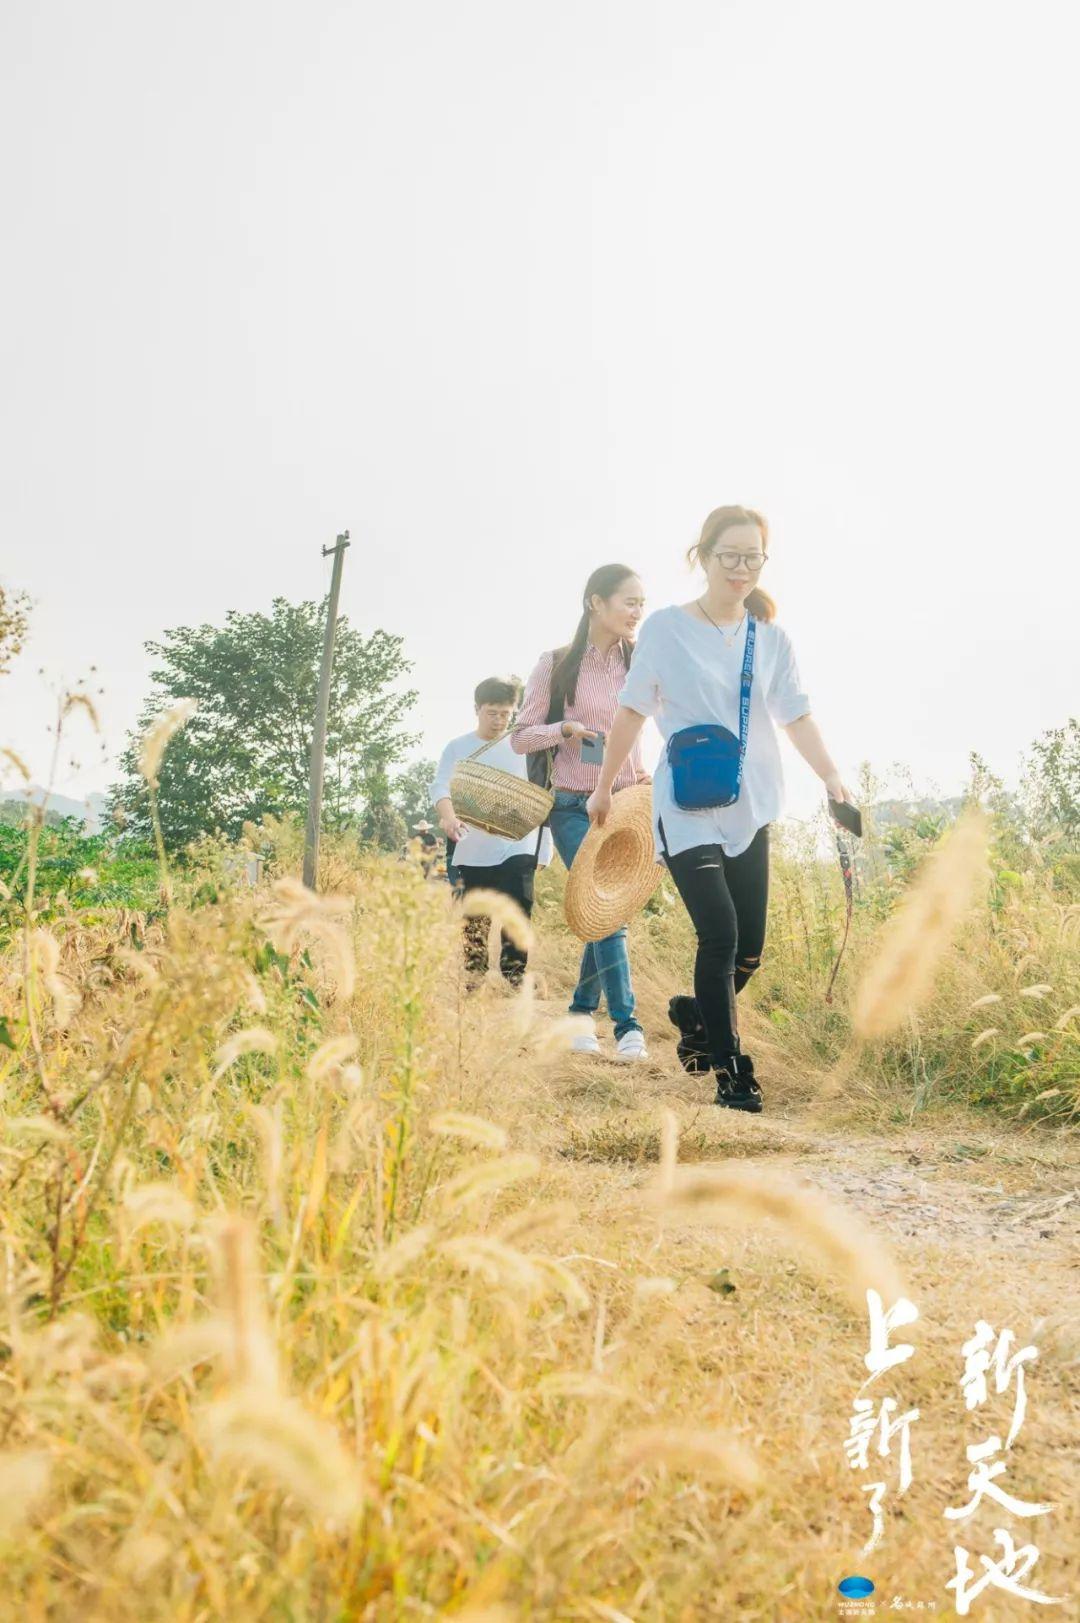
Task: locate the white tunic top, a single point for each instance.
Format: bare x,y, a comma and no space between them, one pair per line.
477,849
683,673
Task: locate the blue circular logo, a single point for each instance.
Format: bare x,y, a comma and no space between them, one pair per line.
855,1586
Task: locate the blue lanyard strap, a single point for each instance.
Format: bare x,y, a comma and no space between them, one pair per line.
744,690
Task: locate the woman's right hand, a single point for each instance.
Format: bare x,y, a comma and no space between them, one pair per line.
598,805
452,827
576,729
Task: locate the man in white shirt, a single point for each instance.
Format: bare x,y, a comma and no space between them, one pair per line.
487,861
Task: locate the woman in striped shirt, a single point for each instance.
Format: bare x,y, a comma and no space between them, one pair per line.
571,697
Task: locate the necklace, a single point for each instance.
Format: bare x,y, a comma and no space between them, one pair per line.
729,640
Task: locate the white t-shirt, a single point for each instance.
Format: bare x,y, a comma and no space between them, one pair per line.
683,673
477,849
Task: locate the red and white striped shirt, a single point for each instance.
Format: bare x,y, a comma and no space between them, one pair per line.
596,699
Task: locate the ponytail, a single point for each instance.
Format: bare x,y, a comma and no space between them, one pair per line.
757,602
567,664
603,582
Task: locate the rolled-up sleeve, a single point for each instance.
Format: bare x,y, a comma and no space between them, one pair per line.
440,785
532,730
641,689
784,697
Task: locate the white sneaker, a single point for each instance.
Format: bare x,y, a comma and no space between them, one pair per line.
586,1042
631,1045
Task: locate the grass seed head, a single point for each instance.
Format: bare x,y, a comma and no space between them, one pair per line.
255,1040
902,972
669,1150
296,912
551,1217
494,1262
488,1176
17,762
156,739
473,1129
403,1253
157,1203
45,954
83,701
698,1453
831,1231
252,1356
297,1450
329,1057
24,1481
503,911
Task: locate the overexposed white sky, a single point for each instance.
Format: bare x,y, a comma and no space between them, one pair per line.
513,290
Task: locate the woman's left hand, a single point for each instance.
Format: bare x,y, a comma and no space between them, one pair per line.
834,788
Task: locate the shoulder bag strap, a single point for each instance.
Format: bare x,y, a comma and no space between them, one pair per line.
744,690
555,712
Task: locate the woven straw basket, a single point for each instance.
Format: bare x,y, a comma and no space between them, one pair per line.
615,871
497,801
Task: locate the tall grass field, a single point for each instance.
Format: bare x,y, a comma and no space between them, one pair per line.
332,1291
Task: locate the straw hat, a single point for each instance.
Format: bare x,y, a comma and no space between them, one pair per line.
615,871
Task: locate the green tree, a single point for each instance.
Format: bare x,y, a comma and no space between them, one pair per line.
245,753
1051,784
382,823
410,792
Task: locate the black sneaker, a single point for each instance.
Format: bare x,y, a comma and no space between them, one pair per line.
693,1048
736,1086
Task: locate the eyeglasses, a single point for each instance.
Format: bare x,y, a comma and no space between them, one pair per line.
731,560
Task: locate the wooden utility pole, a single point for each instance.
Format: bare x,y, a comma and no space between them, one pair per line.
318,742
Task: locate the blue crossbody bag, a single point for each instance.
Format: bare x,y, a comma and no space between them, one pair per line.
706,760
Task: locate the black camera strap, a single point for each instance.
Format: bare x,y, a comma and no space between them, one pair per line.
845,855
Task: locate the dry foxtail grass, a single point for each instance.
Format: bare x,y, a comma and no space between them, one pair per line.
503,911
902,972
156,739
825,1229
304,1315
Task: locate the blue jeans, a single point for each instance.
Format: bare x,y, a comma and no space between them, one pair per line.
605,965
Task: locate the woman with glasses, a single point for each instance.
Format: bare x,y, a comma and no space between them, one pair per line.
689,669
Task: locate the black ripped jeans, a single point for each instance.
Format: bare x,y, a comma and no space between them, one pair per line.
727,899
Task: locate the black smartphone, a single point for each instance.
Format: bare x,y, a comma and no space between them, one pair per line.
847,815
592,750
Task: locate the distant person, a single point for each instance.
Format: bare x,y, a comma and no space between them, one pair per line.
690,667
488,861
425,832
570,703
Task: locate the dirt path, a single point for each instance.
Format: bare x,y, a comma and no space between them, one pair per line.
982,1216
919,1196
757,1336
958,1179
